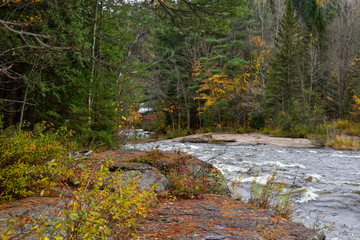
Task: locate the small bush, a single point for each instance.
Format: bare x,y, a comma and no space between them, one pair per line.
257,121
346,127
186,185
343,143
343,124
189,180
96,211
30,160
320,227
271,195
177,133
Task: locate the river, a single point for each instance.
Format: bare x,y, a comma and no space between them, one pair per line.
327,181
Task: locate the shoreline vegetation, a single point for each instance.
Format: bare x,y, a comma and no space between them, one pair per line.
339,135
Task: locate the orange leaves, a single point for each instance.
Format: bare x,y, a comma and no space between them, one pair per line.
196,67
258,41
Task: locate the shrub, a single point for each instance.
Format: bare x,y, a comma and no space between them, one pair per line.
271,195
189,180
30,160
343,124
193,182
257,121
186,185
96,211
343,143
321,227
177,133
344,127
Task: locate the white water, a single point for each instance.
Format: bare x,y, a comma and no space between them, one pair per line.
327,182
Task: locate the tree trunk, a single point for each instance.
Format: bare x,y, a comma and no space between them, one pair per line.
93,47
23,107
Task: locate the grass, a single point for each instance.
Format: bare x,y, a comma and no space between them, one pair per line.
343,143
272,195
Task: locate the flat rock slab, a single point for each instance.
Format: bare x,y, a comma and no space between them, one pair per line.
219,217
21,212
248,138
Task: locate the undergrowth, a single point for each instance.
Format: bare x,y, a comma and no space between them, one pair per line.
188,179
343,143
272,195
32,160
96,211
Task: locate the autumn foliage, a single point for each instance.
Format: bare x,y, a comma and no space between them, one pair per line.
31,160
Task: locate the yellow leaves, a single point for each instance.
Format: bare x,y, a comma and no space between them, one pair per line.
170,108
124,118
163,2
222,87
356,99
320,2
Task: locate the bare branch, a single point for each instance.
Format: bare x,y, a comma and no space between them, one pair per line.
37,37
16,101
6,72
7,24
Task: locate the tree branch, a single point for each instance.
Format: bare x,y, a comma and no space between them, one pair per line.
16,101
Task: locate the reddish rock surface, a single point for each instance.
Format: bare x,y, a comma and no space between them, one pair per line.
219,217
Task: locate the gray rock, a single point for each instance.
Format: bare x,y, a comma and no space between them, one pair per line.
129,166
146,179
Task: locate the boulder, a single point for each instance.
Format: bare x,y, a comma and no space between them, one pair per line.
145,175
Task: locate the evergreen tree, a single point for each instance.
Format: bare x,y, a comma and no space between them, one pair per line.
314,31
284,82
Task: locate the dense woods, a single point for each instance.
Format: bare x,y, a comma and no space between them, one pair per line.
234,65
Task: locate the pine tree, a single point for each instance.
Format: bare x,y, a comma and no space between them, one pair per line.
285,81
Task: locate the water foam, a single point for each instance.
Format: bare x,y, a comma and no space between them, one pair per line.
308,194
282,165
260,179
344,156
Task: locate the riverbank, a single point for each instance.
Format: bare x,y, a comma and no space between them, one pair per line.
247,138
201,216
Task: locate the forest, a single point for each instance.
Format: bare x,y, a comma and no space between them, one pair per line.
285,67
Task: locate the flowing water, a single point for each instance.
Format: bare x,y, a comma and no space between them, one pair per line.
327,182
